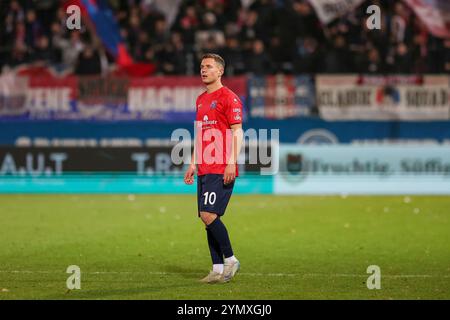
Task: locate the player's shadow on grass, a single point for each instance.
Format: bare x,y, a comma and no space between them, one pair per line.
147,292
156,291
187,273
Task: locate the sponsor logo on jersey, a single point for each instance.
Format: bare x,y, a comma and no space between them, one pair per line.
207,122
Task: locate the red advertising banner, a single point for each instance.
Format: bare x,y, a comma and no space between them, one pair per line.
171,99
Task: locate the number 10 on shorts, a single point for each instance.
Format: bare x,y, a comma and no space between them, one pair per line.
210,198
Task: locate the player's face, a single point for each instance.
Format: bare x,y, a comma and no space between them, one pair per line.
210,71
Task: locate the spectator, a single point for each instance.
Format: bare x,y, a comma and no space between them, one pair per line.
233,52
216,8
447,56
14,15
251,30
433,56
161,35
19,55
88,62
309,56
188,24
231,9
373,64
402,59
133,30
33,29
338,58
258,61
70,48
44,54
173,57
141,47
276,54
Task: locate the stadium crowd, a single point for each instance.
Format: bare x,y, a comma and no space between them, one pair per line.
256,37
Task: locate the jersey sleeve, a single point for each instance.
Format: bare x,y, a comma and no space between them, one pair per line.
234,110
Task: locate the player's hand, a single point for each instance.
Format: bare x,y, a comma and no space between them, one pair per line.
189,175
230,174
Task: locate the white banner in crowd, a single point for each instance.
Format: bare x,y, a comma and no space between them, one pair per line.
328,10
435,14
352,97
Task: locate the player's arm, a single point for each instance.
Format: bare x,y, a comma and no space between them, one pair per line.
190,172
236,144
189,175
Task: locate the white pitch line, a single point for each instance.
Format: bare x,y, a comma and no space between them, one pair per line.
324,275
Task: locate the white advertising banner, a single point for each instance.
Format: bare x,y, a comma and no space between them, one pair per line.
349,169
352,97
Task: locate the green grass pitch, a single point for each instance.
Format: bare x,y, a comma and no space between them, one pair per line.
290,247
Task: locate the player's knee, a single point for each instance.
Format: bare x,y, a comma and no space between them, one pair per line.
207,217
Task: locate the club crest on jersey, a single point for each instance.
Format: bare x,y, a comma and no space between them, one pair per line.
213,104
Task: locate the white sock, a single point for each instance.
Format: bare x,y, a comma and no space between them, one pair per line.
231,259
218,268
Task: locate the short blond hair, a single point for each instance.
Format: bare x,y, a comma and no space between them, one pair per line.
218,59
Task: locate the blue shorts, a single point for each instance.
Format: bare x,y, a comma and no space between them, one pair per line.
212,195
